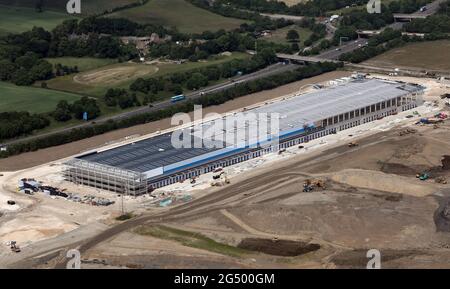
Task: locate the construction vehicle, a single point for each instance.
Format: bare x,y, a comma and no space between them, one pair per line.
309,185
217,176
352,144
14,247
220,180
193,180
423,176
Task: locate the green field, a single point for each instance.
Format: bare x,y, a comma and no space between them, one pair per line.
171,68
430,55
32,99
83,63
88,7
96,82
279,35
179,13
17,20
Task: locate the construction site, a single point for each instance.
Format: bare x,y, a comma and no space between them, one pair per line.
361,163
141,166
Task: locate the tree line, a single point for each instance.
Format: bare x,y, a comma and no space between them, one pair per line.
14,124
311,8
22,55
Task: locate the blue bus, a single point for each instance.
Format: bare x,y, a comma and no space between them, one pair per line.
177,98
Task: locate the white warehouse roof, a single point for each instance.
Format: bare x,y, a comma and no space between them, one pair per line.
156,156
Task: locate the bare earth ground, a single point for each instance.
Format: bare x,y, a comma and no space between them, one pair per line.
27,160
372,199
346,219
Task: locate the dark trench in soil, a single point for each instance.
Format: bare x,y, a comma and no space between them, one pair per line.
285,248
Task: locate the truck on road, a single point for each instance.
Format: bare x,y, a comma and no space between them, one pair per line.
177,98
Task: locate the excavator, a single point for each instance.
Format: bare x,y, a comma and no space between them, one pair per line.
14,247
220,179
423,176
309,185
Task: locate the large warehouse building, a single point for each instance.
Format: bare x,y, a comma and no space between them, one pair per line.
144,165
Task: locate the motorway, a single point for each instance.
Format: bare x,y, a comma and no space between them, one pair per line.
272,69
431,8
333,54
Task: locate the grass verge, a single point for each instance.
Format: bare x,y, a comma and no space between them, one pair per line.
190,239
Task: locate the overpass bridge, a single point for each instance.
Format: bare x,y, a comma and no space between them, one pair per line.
409,17
370,33
305,59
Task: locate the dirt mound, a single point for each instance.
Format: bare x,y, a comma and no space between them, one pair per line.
285,248
445,162
400,169
442,214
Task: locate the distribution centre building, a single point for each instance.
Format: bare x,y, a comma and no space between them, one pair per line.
144,165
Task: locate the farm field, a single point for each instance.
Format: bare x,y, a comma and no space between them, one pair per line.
96,82
31,99
179,13
279,35
171,68
87,8
83,63
115,74
431,55
19,19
